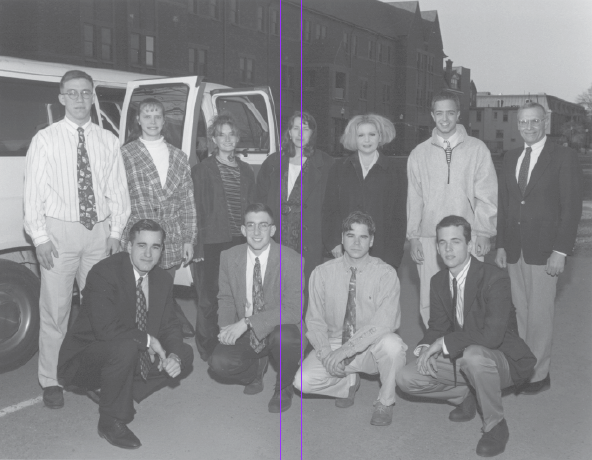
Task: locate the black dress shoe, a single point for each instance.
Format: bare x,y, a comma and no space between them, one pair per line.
465,411
53,397
493,442
281,400
534,388
256,386
117,433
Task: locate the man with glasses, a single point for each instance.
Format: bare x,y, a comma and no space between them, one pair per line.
540,205
76,206
259,310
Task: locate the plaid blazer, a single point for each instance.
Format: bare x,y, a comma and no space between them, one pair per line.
173,206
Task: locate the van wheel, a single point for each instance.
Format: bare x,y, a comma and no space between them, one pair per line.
19,314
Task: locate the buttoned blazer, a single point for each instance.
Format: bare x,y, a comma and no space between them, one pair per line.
282,289
546,218
108,311
489,317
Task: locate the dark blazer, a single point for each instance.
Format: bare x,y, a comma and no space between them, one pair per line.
108,311
489,318
313,191
213,225
547,217
281,307
382,195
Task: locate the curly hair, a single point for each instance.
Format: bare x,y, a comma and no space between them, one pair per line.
384,126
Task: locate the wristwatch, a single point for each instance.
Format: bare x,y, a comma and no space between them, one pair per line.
247,322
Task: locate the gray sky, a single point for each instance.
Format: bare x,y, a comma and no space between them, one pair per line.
519,46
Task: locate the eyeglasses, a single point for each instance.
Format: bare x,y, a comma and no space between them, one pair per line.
532,122
73,94
262,226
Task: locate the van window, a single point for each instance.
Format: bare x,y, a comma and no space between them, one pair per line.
250,114
25,108
174,99
110,102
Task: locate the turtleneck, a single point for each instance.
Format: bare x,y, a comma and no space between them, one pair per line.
159,152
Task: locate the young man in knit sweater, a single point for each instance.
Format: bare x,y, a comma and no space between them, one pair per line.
450,173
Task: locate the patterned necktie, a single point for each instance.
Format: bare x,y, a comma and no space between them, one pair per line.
448,152
349,322
457,308
523,173
257,344
86,196
141,319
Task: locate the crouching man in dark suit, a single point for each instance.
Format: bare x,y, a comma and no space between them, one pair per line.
126,341
472,345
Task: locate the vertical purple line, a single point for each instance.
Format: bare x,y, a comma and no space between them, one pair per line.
279,130
301,268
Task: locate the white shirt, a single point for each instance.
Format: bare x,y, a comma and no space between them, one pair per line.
145,290
51,186
534,157
250,267
453,140
293,173
366,170
159,152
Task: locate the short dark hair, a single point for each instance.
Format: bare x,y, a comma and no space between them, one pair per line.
258,207
288,148
148,225
446,96
73,75
455,221
358,217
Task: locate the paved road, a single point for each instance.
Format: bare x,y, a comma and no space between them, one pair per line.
202,419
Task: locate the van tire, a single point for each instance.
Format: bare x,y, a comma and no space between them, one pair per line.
19,314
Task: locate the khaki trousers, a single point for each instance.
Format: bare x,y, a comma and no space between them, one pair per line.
384,357
533,295
78,250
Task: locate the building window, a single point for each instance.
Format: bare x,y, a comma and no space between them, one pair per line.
478,115
371,50
340,85
105,44
260,19
354,45
198,61
454,82
317,32
233,12
364,90
246,69
379,52
309,77
192,6
418,64
149,51
306,31
386,93
275,28
495,115
214,8
346,42
388,54
135,49
499,134
287,77
323,32
89,40
505,116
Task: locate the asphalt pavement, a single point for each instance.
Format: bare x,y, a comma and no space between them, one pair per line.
203,419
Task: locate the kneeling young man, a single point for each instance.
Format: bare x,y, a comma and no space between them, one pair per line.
472,343
126,341
353,312
256,318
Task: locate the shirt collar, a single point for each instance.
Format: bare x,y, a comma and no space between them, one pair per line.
452,139
262,257
462,274
137,276
74,127
537,145
347,263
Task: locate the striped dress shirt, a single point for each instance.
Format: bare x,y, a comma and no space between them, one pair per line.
51,187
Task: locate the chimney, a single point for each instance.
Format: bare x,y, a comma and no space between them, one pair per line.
448,67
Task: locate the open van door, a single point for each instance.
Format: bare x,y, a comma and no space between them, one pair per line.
254,112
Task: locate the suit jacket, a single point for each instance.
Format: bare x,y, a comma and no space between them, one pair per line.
213,225
282,306
314,182
382,195
547,217
108,311
172,206
489,317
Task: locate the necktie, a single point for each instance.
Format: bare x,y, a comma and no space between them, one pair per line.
457,307
349,322
258,302
86,196
523,173
448,152
141,319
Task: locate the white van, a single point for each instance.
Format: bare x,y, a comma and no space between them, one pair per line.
29,102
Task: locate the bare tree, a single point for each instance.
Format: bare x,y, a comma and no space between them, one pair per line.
585,100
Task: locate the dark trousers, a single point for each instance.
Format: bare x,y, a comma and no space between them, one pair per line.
178,310
206,324
238,362
113,366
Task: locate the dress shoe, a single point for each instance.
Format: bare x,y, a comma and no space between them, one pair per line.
95,395
534,388
256,386
344,403
382,415
53,397
493,442
281,400
465,411
117,433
